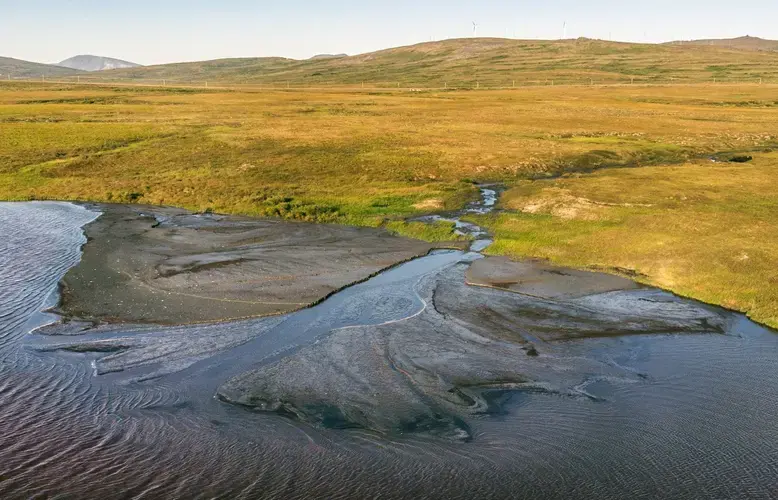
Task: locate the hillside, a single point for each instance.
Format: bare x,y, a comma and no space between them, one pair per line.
741,43
17,68
96,63
481,61
237,69
329,56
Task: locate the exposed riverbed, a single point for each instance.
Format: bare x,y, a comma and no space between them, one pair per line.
530,381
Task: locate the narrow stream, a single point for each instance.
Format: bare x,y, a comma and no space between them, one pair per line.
701,420
481,239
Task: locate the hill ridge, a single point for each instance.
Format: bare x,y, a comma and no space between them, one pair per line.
491,61
746,42
88,62
11,68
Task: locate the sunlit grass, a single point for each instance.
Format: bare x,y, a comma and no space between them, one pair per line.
705,230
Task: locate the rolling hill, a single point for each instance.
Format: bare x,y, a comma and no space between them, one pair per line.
96,63
329,56
220,69
16,68
741,43
481,61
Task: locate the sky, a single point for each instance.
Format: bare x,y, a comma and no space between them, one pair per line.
163,31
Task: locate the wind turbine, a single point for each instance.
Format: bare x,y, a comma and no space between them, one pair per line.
475,29
564,30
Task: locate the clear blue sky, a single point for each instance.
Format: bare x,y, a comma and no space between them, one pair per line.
160,31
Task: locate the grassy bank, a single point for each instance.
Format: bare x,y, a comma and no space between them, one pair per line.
376,158
701,229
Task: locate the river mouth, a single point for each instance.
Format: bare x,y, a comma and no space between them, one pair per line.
158,265
416,383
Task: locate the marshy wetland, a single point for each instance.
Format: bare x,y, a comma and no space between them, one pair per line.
448,376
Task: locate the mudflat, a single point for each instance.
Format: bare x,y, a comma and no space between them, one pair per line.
146,264
424,347
540,279
435,371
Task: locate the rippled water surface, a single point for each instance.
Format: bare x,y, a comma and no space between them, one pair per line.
701,420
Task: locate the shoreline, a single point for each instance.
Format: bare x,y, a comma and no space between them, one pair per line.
231,264
464,334
65,316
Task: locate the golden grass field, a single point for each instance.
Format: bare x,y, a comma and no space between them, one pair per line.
701,229
377,157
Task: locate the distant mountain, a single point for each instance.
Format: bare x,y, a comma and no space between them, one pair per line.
740,43
16,69
96,63
328,56
474,62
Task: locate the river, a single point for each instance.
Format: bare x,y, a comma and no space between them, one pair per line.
700,420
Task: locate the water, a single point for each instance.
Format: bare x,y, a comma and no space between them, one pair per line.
701,421
480,238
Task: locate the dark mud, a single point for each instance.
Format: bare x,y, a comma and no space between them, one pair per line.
485,329
168,266
434,371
